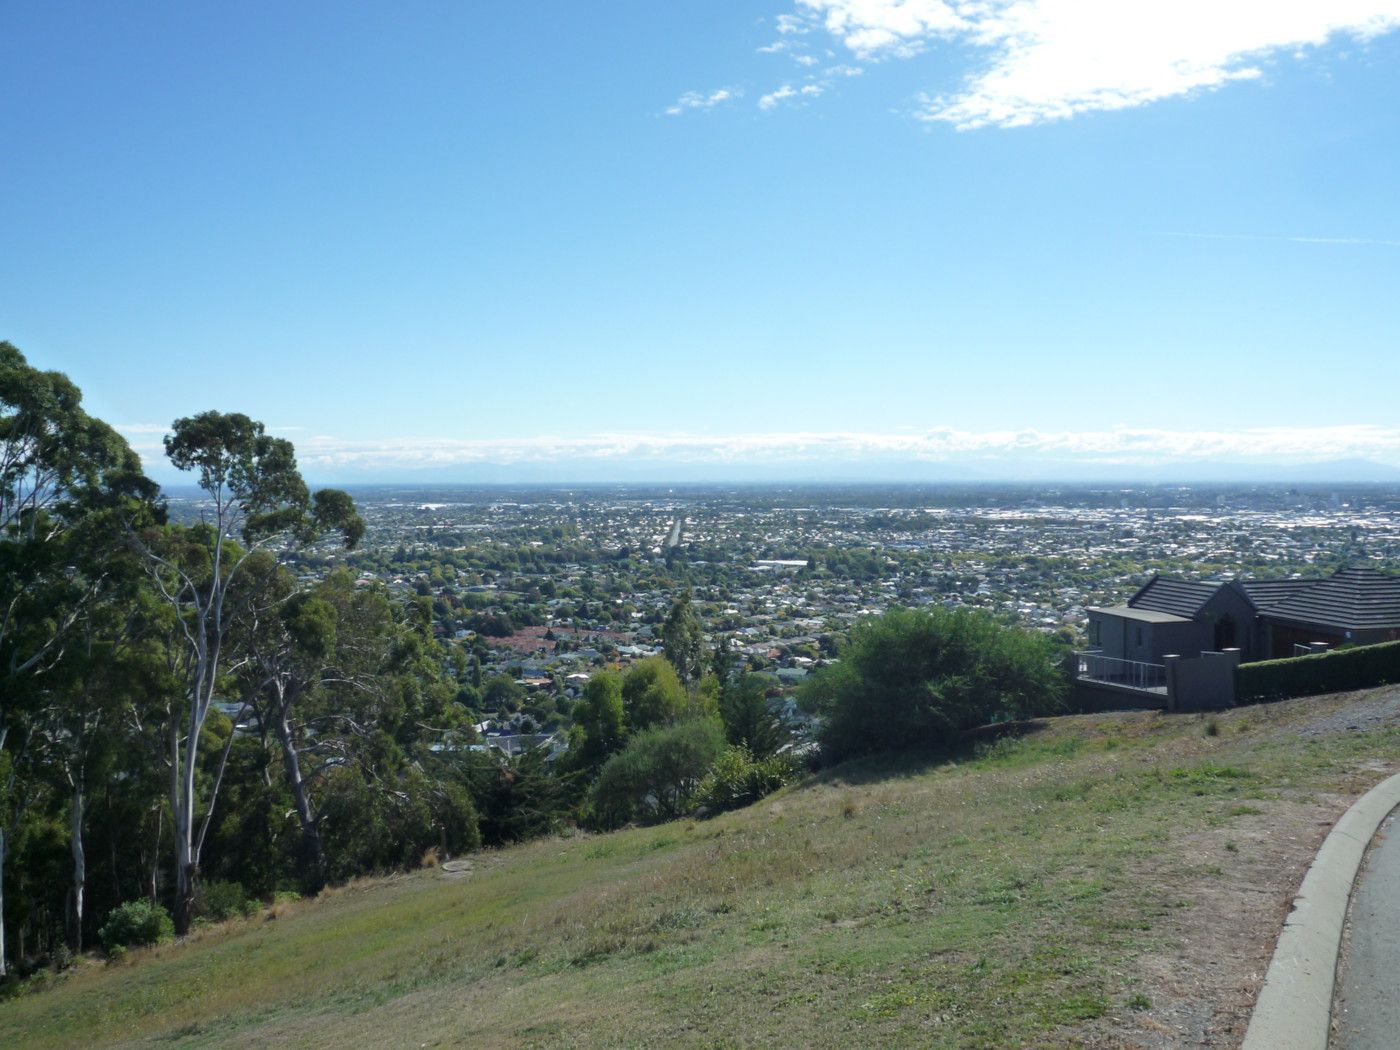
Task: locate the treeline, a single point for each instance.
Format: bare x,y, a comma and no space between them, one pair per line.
184,721
188,724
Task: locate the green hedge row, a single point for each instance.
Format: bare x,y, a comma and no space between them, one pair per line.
1333,672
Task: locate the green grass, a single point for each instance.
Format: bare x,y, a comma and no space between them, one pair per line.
1000,901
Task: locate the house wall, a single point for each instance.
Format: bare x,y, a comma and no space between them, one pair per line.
1283,636
1179,639
1229,603
1125,639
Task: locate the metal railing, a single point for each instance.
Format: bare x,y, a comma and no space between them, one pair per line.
1093,666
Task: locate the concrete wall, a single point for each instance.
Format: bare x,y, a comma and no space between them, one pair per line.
1089,697
1202,684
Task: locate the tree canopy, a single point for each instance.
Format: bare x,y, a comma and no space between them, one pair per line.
916,679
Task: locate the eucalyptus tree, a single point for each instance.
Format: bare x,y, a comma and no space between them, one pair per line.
65,478
256,500
105,686
312,658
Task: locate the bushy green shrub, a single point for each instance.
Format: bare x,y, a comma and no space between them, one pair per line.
218,900
655,777
917,679
1334,672
738,780
135,923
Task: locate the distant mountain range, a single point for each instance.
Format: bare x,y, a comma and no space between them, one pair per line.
1031,469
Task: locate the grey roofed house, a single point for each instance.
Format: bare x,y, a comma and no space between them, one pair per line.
1262,618
1358,605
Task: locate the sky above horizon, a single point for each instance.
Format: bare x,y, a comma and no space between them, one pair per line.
710,238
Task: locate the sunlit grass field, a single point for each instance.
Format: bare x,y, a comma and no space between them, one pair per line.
1006,899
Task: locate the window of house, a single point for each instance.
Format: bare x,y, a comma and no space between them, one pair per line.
1139,636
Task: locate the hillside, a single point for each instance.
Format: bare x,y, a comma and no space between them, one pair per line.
1108,880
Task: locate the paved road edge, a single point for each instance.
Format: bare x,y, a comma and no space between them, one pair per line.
1294,1008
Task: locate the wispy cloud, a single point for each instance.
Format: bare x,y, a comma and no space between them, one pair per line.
1121,445
1364,241
702,100
771,99
787,91
1044,60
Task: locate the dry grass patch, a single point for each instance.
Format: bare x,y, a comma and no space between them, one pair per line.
1072,886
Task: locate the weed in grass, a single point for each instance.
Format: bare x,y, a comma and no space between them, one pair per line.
1212,727
1138,1001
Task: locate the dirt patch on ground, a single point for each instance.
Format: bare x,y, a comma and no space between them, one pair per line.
1237,881
1360,712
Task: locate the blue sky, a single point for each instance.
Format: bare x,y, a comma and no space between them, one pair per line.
791,236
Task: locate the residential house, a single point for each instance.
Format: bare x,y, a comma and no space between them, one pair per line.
1264,619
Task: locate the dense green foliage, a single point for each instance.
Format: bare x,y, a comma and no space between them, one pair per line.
221,899
656,776
916,679
748,720
738,779
135,923
652,694
1332,672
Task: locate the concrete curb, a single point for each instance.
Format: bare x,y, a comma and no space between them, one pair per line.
1294,1008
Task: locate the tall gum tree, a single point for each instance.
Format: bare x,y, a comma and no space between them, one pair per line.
66,478
256,501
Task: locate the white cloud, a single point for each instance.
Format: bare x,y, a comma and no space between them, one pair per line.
1051,59
701,100
771,99
1120,445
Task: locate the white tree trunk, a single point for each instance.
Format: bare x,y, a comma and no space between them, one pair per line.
75,937
310,829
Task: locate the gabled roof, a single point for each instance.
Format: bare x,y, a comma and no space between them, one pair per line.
1178,597
1264,594
1125,612
1355,599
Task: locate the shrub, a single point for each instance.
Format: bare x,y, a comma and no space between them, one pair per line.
655,777
218,900
917,679
135,923
1334,672
738,780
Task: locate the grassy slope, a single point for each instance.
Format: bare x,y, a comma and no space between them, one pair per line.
1002,901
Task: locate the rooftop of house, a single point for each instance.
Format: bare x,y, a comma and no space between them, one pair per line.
1358,599
1177,597
1266,593
1128,612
